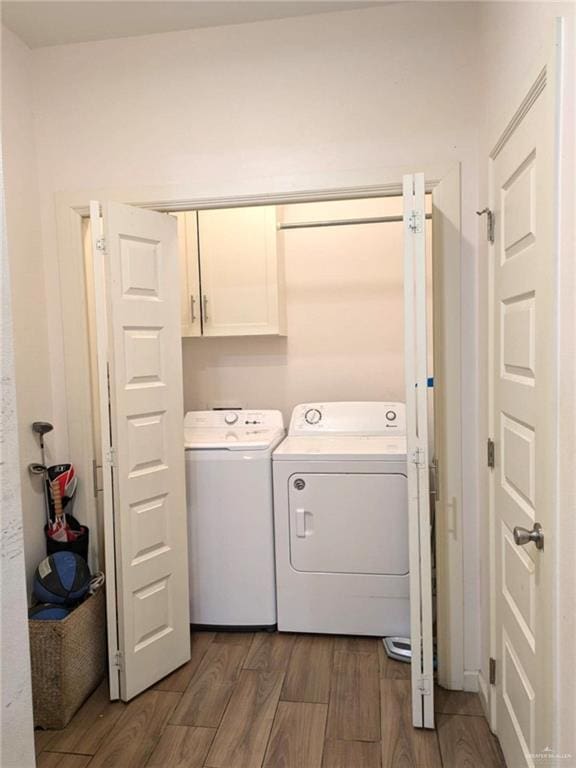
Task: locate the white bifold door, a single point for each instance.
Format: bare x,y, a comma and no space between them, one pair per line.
141,413
419,523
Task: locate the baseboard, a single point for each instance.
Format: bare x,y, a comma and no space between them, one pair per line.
483,693
470,681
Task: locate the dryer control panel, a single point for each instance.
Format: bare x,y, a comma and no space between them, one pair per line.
362,418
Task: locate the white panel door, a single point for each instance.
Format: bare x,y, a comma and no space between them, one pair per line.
523,406
348,523
239,271
416,365
139,346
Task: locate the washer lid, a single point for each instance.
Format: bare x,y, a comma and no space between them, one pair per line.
231,439
353,448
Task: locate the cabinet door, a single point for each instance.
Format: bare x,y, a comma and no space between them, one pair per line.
239,272
189,273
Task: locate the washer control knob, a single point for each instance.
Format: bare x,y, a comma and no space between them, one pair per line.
391,415
312,415
231,418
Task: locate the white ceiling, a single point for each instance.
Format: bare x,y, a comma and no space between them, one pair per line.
58,22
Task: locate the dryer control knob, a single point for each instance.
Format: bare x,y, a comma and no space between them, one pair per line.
391,415
312,415
231,418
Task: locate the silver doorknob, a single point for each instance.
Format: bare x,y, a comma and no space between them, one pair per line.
523,536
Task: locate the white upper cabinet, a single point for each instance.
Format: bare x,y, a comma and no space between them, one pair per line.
189,274
232,255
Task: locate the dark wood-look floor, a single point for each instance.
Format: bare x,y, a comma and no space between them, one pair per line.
275,701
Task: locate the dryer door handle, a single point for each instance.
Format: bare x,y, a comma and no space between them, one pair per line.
301,523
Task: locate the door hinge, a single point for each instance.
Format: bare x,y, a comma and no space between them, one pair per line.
492,671
489,223
101,244
416,456
490,453
415,222
110,457
118,661
424,686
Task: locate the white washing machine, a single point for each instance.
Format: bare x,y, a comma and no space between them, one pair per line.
230,517
341,520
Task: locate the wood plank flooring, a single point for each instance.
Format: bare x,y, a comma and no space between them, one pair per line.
308,674
274,701
297,737
354,712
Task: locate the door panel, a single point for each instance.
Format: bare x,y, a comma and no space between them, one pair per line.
349,523
416,377
447,322
142,355
523,406
101,417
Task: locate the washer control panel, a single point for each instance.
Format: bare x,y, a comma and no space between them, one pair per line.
239,419
363,418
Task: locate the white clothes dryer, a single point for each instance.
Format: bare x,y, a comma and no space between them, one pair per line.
341,520
230,518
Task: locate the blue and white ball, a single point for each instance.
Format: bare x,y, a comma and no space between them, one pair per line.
63,577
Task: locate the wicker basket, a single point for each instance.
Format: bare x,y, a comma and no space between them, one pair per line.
68,661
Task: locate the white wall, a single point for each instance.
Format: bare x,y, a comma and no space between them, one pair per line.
275,106
33,364
345,319
16,737
272,107
515,43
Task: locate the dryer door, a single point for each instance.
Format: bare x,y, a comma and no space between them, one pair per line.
349,523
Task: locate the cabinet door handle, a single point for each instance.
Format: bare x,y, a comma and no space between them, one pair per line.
205,307
192,312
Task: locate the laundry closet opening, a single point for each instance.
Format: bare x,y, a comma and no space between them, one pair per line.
253,317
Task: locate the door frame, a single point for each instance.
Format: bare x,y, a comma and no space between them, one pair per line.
72,208
547,75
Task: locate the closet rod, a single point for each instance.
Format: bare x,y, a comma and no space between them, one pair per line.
344,222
